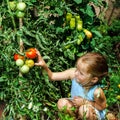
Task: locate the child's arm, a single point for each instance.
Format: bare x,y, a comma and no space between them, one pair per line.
57,76
99,103
99,99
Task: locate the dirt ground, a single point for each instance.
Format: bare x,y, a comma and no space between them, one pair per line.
110,12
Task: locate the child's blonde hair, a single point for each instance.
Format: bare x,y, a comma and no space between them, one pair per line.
96,64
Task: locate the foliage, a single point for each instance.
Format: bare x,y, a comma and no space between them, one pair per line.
106,45
45,27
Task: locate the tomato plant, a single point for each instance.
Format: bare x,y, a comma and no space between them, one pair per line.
46,26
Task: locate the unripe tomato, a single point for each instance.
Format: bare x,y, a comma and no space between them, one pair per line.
79,26
68,17
17,56
24,69
118,85
88,33
72,23
31,53
20,14
77,18
118,97
29,63
79,40
19,62
12,5
21,6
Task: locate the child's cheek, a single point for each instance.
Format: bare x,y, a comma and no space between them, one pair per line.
76,74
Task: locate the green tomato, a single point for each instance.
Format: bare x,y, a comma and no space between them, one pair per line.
68,17
79,26
20,14
77,17
21,6
19,62
12,5
72,23
24,69
118,97
79,39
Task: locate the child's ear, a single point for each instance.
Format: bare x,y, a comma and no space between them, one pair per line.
95,80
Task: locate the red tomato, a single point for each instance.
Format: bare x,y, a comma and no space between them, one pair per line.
31,53
17,56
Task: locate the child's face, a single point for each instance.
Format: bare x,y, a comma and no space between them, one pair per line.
82,76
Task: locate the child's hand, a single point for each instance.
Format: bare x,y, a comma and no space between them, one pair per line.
40,61
78,101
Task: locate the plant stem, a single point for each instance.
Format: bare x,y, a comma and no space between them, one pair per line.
9,10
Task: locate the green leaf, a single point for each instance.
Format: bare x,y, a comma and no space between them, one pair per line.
59,11
59,30
89,11
78,1
97,33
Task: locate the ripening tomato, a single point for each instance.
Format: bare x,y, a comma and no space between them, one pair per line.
17,56
88,33
31,53
118,85
118,97
30,63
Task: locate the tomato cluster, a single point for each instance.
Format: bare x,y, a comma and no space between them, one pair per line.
75,22
26,61
19,7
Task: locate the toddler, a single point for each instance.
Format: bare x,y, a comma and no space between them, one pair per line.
86,94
